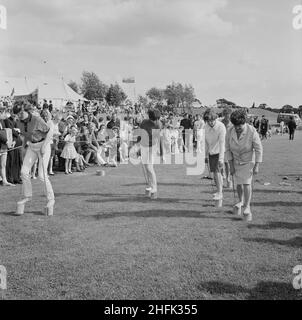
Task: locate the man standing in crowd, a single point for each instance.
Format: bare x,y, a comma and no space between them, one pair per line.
37,139
263,127
45,105
149,140
292,126
187,126
215,135
50,106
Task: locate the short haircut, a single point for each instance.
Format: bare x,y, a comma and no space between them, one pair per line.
153,114
226,111
238,117
210,115
17,109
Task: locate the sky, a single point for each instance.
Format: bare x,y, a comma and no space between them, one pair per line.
241,50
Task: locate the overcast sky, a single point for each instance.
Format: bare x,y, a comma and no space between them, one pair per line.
241,50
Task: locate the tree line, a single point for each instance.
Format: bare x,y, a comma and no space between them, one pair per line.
174,95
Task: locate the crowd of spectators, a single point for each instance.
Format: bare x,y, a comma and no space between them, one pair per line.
87,134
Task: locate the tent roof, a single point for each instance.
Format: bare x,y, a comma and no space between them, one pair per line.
50,89
53,90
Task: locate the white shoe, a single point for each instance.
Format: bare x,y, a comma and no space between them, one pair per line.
218,196
237,208
153,195
21,206
247,214
49,208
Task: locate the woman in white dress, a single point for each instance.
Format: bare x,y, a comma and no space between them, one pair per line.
69,152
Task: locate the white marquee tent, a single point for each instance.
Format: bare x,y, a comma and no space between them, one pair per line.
55,90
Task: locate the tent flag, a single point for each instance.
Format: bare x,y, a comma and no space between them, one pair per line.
129,80
13,92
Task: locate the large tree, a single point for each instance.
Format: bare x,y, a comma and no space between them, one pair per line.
92,87
143,101
178,94
287,109
155,94
115,95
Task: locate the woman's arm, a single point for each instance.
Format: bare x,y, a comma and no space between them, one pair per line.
222,144
257,146
229,153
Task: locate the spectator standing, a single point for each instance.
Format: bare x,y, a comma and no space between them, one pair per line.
187,127
198,127
263,127
292,126
282,127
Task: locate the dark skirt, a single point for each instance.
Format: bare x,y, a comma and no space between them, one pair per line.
14,164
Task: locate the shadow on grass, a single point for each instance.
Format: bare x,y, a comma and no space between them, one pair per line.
277,225
163,213
294,242
90,194
144,199
278,204
123,198
290,175
13,213
275,191
169,184
267,290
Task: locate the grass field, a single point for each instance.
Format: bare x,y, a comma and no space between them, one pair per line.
107,241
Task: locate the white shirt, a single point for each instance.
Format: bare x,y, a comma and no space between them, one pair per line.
54,128
198,124
215,139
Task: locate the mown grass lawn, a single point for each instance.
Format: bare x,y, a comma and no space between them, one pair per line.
108,241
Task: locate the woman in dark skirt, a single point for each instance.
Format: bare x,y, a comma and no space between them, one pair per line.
14,158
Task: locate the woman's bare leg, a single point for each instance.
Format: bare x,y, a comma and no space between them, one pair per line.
3,160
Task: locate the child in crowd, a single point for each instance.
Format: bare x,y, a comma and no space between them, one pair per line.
112,146
69,152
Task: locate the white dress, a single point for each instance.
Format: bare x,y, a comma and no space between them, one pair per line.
69,151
